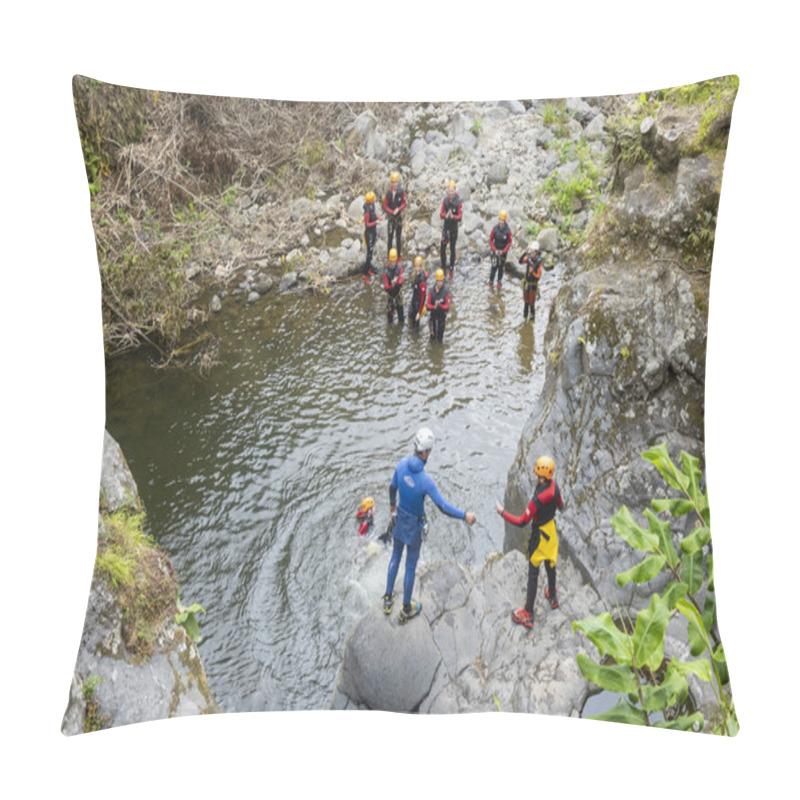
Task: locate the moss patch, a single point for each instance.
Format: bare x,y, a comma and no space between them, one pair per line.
142,577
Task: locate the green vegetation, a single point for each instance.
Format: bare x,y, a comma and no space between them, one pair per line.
634,662
93,719
188,618
141,576
477,126
556,116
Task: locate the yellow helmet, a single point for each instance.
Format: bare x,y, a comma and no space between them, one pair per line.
451,185
418,261
439,275
503,215
370,197
394,177
367,503
545,466
393,255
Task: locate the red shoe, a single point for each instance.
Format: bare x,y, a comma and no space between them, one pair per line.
522,617
554,600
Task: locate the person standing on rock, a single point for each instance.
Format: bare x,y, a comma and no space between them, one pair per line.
370,233
438,305
500,242
451,214
543,542
394,201
530,281
408,489
393,285
419,293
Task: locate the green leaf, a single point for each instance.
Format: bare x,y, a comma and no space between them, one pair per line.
671,690
696,540
606,637
636,536
676,590
623,711
698,636
662,530
644,571
692,571
701,667
675,506
618,678
683,723
648,635
719,653
709,612
659,457
691,470
710,571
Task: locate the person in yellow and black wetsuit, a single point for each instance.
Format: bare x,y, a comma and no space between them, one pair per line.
530,282
543,544
392,285
394,201
419,293
370,233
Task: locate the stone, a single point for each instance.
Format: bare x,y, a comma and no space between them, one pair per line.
548,240
498,173
216,304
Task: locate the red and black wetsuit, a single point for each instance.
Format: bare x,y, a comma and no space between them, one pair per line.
438,316
365,520
540,511
450,228
370,235
530,283
419,295
394,300
394,201
500,242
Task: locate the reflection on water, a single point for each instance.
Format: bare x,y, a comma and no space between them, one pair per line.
251,477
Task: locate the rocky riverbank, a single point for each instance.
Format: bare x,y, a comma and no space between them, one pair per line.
148,670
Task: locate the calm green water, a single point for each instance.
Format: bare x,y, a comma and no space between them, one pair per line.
251,477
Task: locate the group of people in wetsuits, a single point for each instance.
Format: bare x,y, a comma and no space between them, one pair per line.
436,300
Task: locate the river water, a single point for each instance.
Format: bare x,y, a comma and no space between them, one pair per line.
251,476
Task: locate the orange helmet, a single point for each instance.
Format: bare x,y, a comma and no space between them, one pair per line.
545,466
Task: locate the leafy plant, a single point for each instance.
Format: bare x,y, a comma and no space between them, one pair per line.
477,126
634,663
187,617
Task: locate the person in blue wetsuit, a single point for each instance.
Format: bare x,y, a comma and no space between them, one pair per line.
407,491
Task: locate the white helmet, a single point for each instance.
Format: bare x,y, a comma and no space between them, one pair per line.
534,245
423,440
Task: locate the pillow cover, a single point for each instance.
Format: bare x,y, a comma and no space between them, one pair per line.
274,356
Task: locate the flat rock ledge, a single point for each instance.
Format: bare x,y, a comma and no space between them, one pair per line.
464,653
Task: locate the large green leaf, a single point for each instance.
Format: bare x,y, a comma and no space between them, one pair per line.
635,535
710,570
662,530
659,457
692,571
644,571
606,637
618,678
698,636
701,667
683,723
674,505
691,470
710,612
648,634
623,711
696,540
676,590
